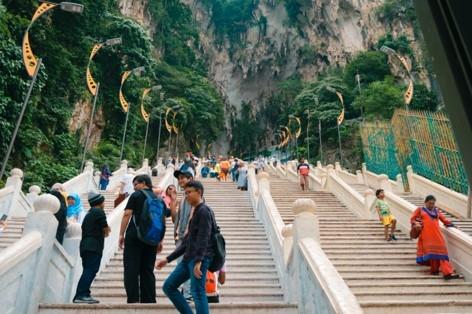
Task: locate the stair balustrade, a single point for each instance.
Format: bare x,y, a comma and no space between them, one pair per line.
447,199
13,202
307,276
458,242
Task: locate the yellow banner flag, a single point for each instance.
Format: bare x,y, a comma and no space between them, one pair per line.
341,117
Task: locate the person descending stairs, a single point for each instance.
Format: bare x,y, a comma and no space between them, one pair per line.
382,275
252,284
463,224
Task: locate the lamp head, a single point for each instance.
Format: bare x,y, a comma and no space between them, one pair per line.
71,7
113,41
138,71
156,88
387,50
330,89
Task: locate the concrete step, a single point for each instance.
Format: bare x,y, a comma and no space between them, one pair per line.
393,306
222,308
413,288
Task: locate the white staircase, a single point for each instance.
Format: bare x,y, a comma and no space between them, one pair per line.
382,275
252,284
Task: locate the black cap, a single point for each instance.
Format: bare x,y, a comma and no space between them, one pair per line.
188,172
95,199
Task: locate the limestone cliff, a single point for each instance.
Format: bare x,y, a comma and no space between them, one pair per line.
331,31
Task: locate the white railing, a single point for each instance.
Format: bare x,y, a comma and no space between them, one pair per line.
115,179
381,181
6,197
447,199
298,255
252,186
82,183
13,202
346,194
459,243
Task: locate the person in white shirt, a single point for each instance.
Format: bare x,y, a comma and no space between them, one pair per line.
126,187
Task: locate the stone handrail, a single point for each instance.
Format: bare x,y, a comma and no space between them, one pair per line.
6,196
13,202
322,279
299,255
82,183
347,195
348,177
168,178
145,168
447,199
115,179
252,186
381,181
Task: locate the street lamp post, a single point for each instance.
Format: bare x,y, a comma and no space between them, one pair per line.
124,104
146,115
161,96
339,120
94,88
33,65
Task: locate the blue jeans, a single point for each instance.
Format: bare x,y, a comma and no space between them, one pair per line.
182,272
90,265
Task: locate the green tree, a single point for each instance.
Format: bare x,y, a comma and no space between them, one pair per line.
371,66
423,99
380,99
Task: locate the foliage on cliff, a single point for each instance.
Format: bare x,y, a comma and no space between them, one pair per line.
45,148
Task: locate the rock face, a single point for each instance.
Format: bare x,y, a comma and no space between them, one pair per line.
327,32
80,122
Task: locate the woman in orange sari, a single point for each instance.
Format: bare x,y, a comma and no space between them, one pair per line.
431,247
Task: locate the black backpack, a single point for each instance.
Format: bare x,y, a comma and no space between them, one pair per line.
219,247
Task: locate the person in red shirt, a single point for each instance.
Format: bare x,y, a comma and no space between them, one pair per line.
303,170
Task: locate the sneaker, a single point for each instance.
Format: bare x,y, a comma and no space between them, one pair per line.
86,300
394,237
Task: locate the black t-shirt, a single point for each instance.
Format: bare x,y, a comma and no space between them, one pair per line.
136,204
92,231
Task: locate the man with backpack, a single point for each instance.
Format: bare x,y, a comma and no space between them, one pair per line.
144,223
198,250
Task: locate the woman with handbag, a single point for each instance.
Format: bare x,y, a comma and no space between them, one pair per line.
431,246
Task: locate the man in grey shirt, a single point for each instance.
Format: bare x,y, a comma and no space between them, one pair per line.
184,175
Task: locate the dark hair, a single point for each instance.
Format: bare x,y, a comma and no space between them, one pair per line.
377,193
197,185
429,198
143,178
169,186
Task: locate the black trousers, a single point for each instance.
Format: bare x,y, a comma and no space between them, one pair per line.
90,265
139,259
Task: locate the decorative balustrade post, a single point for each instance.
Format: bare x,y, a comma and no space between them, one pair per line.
337,166
384,183
360,177
305,225
15,181
88,166
263,186
400,187
409,176
369,200
287,233
96,176
43,221
124,165
33,194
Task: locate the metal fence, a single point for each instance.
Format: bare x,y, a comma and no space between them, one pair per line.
420,138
